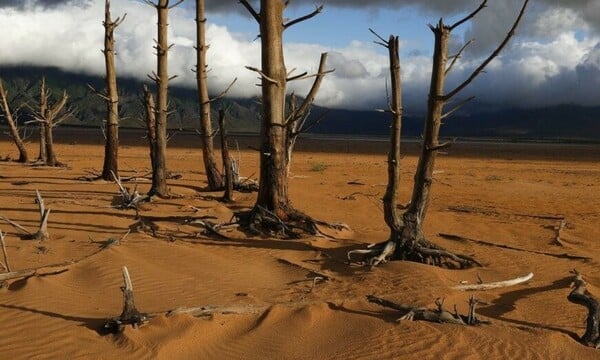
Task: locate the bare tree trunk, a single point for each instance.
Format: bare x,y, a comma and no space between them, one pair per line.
50,154
49,118
150,108
215,180
12,125
389,199
111,148
415,215
227,163
273,186
161,77
42,156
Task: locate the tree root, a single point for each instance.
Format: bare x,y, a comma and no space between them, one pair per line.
262,222
438,315
580,296
421,251
129,200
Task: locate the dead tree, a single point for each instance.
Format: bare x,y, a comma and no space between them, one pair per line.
228,163
215,180
273,208
150,118
12,125
161,78
49,116
111,97
407,240
298,115
580,296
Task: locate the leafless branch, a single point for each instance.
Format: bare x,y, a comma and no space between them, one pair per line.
251,10
469,17
304,18
491,57
457,56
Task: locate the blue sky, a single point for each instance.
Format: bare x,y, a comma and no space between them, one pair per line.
553,59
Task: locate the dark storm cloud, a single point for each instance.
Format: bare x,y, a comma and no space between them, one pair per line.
21,4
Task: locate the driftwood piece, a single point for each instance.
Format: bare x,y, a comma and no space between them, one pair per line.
6,264
130,315
42,233
580,296
210,310
494,285
129,200
438,315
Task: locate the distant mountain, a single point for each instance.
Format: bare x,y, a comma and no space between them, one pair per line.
562,122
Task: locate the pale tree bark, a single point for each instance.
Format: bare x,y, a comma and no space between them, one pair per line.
161,78
12,125
407,240
214,177
110,168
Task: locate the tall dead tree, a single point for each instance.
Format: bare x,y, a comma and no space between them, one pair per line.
407,240
161,78
49,116
12,125
215,180
111,148
273,199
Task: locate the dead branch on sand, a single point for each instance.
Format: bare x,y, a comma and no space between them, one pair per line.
438,315
580,296
42,233
129,200
130,315
494,285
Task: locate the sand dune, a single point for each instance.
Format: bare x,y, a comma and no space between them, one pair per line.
510,198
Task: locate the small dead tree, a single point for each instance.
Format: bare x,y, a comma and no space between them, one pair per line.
111,97
298,115
581,296
407,240
228,163
161,78
150,119
273,208
12,125
49,116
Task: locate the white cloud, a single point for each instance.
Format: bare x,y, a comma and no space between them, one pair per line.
554,59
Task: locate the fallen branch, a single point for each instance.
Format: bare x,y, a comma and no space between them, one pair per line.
129,200
494,285
6,264
580,296
42,233
438,315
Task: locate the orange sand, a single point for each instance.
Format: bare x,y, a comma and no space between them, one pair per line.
58,316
